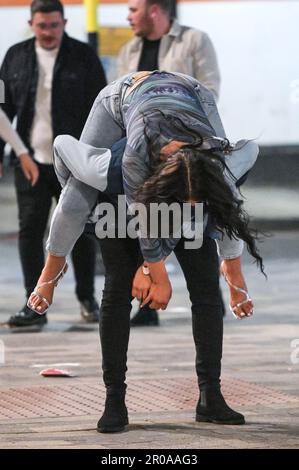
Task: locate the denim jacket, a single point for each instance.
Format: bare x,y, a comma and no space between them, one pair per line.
110,106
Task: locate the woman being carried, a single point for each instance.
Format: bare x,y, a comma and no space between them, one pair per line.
176,151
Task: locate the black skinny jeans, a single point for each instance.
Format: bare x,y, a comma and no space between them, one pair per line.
34,205
200,267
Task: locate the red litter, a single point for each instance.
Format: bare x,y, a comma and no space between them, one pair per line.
56,373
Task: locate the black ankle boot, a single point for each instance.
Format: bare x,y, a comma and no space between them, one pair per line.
212,408
145,317
115,416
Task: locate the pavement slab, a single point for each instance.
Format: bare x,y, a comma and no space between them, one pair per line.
260,365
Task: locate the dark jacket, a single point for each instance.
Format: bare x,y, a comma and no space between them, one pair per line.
78,77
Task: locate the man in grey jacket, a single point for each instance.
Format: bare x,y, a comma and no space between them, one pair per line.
161,43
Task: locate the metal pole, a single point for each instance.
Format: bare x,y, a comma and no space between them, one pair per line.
92,24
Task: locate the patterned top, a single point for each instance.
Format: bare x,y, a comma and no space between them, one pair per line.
163,107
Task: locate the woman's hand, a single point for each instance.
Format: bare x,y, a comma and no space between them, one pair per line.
231,269
141,285
159,296
29,167
158,292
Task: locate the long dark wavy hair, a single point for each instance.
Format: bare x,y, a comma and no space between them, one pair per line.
198,175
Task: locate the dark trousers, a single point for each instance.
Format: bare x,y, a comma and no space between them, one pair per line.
34,205
200,267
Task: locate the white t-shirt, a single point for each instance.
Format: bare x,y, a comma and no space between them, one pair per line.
41,132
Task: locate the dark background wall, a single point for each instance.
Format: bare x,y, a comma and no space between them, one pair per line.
276,166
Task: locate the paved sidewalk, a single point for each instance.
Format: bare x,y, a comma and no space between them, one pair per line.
260,378
260,364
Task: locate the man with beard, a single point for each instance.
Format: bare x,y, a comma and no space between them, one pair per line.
51,82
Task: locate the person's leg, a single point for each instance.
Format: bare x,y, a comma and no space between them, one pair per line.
78,199
33,211
103,128
120,258
86,163
76,203
200,268
105,125
71,213
83,253
83,257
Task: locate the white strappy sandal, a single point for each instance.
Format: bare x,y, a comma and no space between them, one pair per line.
239,304
54,281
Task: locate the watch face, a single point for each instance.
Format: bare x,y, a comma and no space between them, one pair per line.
145,270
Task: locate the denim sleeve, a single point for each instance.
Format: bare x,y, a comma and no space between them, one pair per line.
155,249
240,161
229,248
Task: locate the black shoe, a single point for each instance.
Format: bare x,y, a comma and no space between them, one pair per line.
145,317
27,317
115,416
100,268
212,408
90,310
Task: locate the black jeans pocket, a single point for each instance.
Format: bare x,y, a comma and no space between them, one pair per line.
21,182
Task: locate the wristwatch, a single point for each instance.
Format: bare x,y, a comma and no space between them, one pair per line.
145,270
